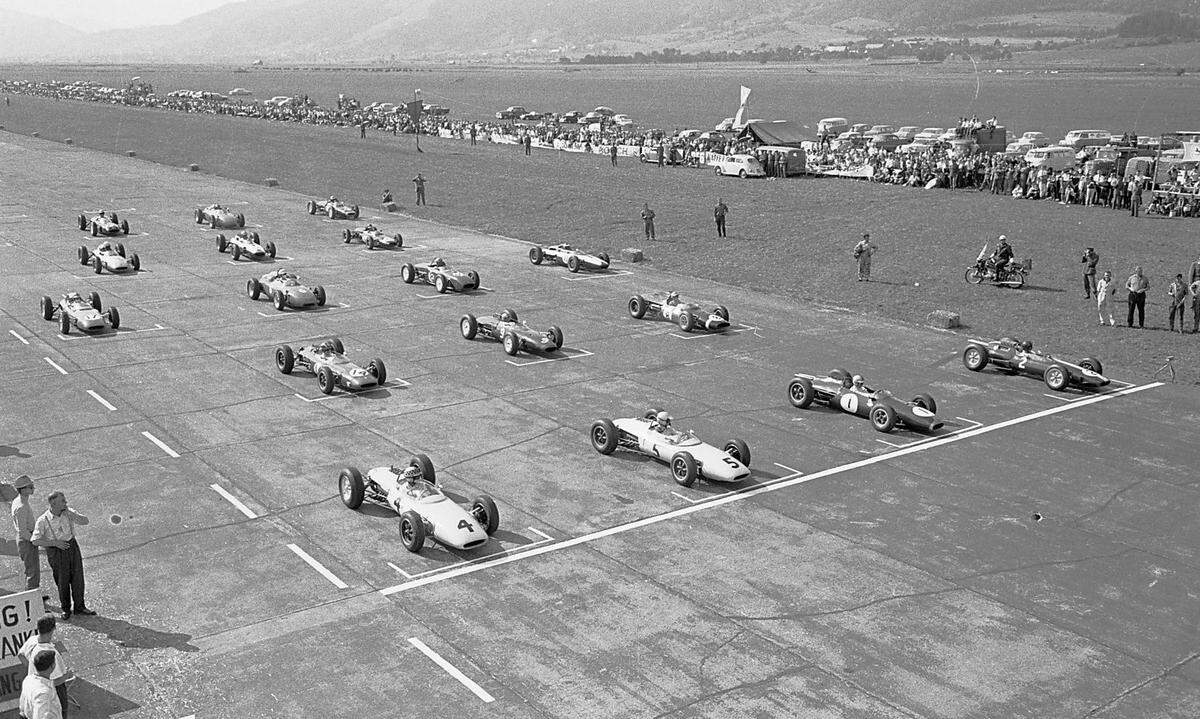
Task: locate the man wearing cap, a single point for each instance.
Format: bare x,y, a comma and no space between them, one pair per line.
1090,258
22,519
862,252
55,530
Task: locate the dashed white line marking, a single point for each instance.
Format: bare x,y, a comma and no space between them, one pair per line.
789,469
540,533
753,492
237,503
161,445
575,354
22,339
398,569
451,670
102,401
598,276
689,501
318,566
54,364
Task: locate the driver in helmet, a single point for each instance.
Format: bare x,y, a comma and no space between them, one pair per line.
508,316
661,423
332,200
105,246
370,227
1002,256
858,384
1026,346
437,262
672,298
410,475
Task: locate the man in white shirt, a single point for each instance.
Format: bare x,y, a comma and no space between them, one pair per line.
38,698
55,530
22,519
44,641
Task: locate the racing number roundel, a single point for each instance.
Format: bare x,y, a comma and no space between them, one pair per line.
849,402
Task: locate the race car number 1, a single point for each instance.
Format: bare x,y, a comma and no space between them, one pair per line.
849,402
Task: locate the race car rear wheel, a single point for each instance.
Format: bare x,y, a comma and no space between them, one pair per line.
717,171
637,307
95,230
351,487
312,207
94,299
337,345
379,369
237,252
331,211
512,345
883,418
213,224
199,216
47,307
124,227
82,222
253,288
801,393
285,359
346,235
722,312
271,249
604,436
83,254
222,243
64,323
241,220
355,213
423,461
973,275
1093,364
926,401
407,273
1056,378
469,326
573,263
319,291
686,321
279,300
399,239
439,284
975,358
475,283
604,256
684,469
97,265
483,508
326,380
371,242
739,450
114,318
536,255
136,262
120,249
412,531
557,334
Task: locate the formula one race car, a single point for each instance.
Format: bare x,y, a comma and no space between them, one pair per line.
218,217
104,223
688,315
842,391
85,314
109,257
333,209
425,513
443,278
1014,357
652,435
285,290
328,362
515,335
573,259
372,237
246,243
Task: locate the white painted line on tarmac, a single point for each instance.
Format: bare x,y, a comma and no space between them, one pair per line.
398,569
54,364
598,275
390,384
700,332
161,445
452,671
22,339
237,503
789,469
689,501
101,400
318,566
540,533
755,491
576,355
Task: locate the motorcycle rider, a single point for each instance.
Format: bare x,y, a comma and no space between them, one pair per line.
1002,256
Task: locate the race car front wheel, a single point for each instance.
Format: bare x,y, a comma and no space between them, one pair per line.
974,358
883,418
326,380
1056,378
351,487
926,401
484,510
604,436
684,469
412,531
739,450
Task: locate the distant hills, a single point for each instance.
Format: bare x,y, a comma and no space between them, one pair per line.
369,30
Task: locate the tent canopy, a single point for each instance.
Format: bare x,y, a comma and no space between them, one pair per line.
777,132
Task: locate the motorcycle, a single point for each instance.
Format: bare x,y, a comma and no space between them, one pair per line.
984,270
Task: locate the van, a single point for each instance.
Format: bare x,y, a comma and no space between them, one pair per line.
832,126
1079,139
795,159
1054,158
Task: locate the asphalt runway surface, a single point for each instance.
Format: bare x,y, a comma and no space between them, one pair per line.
1036,557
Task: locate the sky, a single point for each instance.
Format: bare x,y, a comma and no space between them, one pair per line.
107,14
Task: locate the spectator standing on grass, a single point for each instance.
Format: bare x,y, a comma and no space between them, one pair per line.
419,181
1194,272
44,641
1178,292
55,530
39,699
362,129
1137,284
719,213
662,154
1135,197
1089,259
474,132
612,153
1104,291
1194,288
648,219
862,252
528,142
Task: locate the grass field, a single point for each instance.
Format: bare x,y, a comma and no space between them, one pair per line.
790,237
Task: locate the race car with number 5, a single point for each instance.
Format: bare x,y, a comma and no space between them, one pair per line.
843,391
414,493
1013,357
653,435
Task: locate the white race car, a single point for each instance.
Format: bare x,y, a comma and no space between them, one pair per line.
573,259
425,513
246,244
652,435
86,314
109,257
285,290
372,237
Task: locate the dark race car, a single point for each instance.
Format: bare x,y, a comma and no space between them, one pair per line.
328,362
372,237
442,278
1009,355
220,218
333,209
571,258
688,315
104,223
516,335
843,391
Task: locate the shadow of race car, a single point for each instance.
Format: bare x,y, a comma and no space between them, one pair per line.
1013,357
886,411
333,209
372,237
516,335
86,314
414,493
569,257
688,315
328,362
284,290
104,223
109,257
442,278
246,244
220,218
689,458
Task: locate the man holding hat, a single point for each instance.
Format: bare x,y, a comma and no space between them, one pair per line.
862,252
23,522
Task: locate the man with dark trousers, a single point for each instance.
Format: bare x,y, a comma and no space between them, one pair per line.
55,531
719,213
1137,284
1090,258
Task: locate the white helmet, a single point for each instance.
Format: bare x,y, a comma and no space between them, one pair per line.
1003,238
857,380
663,418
